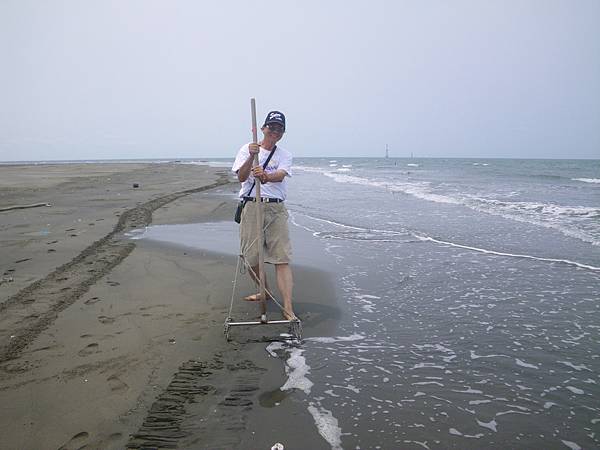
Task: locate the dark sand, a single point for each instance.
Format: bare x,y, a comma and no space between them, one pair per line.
107,342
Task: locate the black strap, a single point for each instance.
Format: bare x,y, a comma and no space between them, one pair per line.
264,167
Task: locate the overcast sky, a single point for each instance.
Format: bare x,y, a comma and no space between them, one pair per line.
173,79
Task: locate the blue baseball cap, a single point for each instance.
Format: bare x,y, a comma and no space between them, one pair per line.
275,117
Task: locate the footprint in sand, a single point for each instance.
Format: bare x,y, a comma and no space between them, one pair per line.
91,301
105,320
144,308
112,441
89,350
116,384
76,442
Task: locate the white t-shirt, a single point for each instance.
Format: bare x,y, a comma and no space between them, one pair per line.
281,160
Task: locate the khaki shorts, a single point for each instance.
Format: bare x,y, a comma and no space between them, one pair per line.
277,246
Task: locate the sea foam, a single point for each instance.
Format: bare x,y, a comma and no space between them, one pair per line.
296,367
327,425
587,180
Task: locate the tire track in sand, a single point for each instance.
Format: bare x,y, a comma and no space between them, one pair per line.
34,308
205,406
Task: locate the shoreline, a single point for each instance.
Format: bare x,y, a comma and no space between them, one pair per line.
122,344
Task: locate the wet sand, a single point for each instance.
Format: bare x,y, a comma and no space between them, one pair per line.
107,342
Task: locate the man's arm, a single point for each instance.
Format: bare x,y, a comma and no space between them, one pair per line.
284,170
244,171
273,177
277,176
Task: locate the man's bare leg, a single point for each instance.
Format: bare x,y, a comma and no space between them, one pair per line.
254,276
285,284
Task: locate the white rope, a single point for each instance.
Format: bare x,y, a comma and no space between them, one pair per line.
266,290
237,269
248,267
256,238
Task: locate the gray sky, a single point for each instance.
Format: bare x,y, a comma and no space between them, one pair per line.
153,79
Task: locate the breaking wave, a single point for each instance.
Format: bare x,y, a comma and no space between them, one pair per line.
579,222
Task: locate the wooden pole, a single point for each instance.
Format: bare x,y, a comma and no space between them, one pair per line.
259,225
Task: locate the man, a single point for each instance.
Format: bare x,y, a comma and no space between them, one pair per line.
273,179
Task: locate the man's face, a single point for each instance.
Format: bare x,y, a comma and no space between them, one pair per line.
273,131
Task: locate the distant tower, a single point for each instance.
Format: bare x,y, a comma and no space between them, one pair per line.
387,152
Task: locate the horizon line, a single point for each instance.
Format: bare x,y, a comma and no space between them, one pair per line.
203,158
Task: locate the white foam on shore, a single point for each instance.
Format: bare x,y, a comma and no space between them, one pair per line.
327,425
331,340
587,180
571,445
327,221
455,432
209,163
543,209
421,237
475,356
273,347
524,364
512,255
365,300
296,367
469,390
565,219
440,348
575,390
479,402
419,189
574,366
491,425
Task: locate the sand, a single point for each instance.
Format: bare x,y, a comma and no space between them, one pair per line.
107,342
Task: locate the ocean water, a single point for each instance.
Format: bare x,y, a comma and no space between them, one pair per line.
470,292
